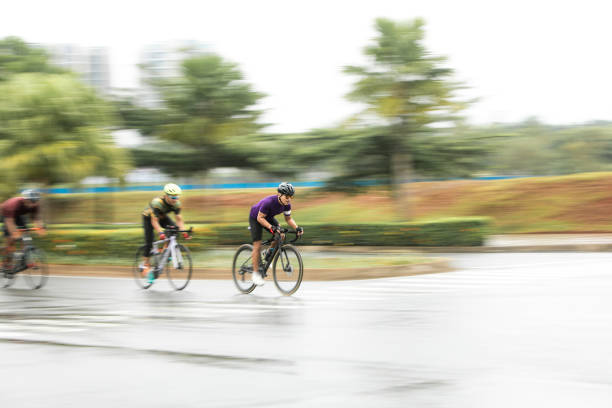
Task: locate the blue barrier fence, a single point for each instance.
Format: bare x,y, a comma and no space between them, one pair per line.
222,186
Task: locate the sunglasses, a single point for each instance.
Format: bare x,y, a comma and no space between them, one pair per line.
174,197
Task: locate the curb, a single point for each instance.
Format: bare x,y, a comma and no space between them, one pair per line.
435,266
591,247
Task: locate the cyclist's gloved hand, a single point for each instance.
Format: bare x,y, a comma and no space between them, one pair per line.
299,230
186,235
162,235
273,228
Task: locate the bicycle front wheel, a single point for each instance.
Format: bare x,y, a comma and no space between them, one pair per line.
36,272
288,270
242,269
179,270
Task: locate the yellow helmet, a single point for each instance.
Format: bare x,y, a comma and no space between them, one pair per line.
172,189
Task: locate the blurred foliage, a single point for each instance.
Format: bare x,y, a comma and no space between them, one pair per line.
205,108
133,116
54,129
18,57
406,90
533,148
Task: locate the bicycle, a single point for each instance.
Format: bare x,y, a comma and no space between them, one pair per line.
30,260
287,278
173,257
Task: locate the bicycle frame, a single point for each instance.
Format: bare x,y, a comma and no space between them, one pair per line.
280,241
168,251
26,244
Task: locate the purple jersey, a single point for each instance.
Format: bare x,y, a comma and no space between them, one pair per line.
271,207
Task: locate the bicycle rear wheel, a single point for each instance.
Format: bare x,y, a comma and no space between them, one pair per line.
37,272
138,267
288,270
242,269
7,277
179,270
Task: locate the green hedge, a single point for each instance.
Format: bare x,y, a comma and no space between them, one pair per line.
123,242
445,232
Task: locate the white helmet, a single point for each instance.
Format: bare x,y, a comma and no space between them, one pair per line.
172,189
31,194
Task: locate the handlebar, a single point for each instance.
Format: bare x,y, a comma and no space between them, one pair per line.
286,231
171,231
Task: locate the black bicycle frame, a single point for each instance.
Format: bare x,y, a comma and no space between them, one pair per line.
278,238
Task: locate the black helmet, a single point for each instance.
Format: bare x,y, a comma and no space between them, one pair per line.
286,189
30,194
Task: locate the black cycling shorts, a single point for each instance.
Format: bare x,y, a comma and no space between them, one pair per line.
257,229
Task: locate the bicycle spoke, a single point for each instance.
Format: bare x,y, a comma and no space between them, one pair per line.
242,269
179,270
36,271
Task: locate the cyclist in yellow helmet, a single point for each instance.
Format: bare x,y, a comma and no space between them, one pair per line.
155,218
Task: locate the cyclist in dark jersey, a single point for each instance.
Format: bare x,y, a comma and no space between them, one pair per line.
155,218
14,212
262,216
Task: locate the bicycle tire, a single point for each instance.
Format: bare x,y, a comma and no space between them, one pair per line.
37,271
240,264
288,279
141,281
179,277
6,279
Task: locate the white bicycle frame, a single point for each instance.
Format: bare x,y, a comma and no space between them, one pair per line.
171,250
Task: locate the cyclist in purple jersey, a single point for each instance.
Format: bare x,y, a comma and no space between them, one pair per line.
262,216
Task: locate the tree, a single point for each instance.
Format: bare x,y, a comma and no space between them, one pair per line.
207,106
132,116
54,129
18,57
406,91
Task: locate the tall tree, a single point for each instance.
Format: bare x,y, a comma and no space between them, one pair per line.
207,106
54,129
18,57
406,90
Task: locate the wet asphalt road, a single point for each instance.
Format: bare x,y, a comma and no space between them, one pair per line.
504,330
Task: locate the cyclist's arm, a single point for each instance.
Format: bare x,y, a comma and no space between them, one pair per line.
11,227
261,218
155,224
291,222
180,222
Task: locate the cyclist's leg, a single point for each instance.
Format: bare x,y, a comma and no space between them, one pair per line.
9,243
19,222
256,232
148,233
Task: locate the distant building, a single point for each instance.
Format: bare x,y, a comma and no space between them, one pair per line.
92,63
163,61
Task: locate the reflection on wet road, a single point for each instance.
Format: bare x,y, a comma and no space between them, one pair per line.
505,330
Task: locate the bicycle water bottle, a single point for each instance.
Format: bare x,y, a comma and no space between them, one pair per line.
269,254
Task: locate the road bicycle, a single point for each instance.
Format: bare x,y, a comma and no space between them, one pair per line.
167,256
28,260
287,265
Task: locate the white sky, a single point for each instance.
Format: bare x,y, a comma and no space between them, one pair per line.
549,59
